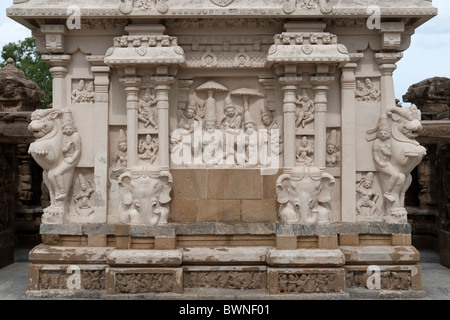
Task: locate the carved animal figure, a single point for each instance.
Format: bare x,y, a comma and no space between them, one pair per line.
145,197
304,195
47,150
405,154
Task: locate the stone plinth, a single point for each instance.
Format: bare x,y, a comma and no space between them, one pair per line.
201,160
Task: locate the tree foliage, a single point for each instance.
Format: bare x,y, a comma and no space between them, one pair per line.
28,59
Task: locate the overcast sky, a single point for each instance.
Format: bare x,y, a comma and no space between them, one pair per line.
428,56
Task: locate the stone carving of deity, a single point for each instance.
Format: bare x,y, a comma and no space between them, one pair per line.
305,110
83,201
120,157
147,111
148,148
366,204
333,155
304,150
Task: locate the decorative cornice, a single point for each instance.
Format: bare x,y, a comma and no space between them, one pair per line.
287,8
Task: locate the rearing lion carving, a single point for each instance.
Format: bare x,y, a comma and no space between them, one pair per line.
396,153
57,150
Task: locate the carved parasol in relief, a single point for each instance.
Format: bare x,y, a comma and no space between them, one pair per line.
210,87
246,93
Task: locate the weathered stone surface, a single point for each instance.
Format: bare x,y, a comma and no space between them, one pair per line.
259,211
161,78
218,210
72,255
380,255
227,184
305,257
225,255
144,258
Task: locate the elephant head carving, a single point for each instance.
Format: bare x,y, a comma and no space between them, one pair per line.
303,195
145,197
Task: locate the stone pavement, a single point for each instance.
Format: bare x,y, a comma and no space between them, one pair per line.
435,277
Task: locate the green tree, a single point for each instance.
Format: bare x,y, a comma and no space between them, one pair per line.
28,59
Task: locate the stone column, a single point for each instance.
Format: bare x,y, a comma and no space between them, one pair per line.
289,86
59,72
387,67
101,114
348,144
320,87
132,89
162,88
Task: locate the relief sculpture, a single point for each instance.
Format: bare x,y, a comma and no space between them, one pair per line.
396,153
303,195
145,197
57,150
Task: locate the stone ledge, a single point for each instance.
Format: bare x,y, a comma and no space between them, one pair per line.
305,257
165,258
69,255
380,255
223,228
226,255
362,294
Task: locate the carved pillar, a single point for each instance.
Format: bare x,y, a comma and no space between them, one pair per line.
101,81
348,134
132,89
289,86
162,88
320,87
59,72
387,66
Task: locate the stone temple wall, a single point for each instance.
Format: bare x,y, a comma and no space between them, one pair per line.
251,147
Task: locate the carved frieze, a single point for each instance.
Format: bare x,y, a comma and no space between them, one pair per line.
88,280
144,282
225,279
306,283
389,280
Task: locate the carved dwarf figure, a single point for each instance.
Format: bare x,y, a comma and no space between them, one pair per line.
147,112
83,201
366,204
